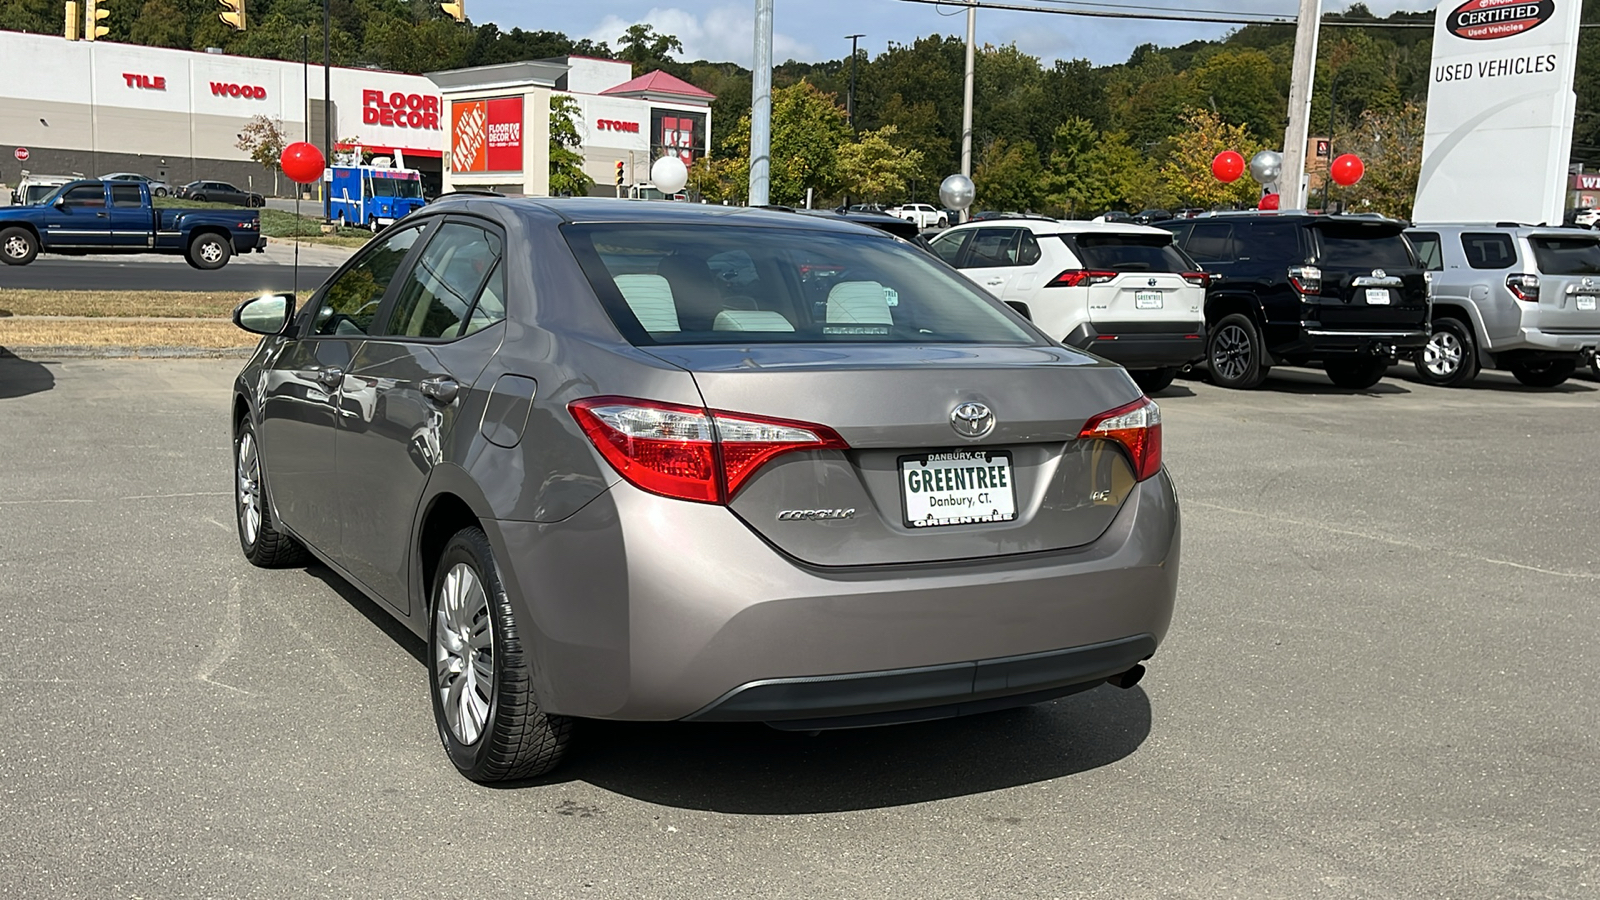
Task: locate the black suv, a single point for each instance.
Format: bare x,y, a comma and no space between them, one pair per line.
1342,292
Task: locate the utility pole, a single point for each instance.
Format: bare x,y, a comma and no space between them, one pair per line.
327,102
1292,189
761,108
850,98
966,107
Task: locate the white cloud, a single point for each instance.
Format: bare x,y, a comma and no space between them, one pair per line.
724,34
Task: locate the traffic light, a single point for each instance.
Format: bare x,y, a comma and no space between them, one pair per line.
92,14
456,10
619,173
234,17
72,31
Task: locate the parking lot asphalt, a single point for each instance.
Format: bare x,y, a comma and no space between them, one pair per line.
1381,682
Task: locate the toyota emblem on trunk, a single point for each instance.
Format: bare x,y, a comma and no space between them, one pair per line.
1379,273
973,420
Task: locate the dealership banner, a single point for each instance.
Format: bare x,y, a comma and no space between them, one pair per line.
486,135
1500,111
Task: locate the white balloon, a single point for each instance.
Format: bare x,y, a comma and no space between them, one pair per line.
1266,166
957,192
669,174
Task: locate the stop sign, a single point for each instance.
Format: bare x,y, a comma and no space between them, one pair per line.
21,154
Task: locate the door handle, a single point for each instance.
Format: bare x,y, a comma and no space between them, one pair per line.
330,376
101,215
440,390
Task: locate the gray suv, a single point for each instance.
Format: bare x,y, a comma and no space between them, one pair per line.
653,461
1512,297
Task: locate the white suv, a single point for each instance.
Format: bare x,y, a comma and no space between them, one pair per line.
922,215
1124,292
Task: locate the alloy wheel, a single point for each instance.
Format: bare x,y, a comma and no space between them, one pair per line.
16,247
463,655
1443,354
249,488
1230,356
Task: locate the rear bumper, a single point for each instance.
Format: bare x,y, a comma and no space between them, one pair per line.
644,608
1565,341
1142,347
1315,342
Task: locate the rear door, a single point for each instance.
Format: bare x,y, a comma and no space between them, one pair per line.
131,222
1371,281
1569,282
1211,244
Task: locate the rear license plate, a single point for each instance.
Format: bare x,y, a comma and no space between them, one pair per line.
1585,301
1148,299
957,487
1377,296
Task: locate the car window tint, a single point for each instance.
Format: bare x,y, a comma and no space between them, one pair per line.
1028,251
1567,255
126,195
993,247
1428,249
491,305
1272,241
665,285
436,296
948,246
86,195
1364,246
1211,242
350,302
1130,252
1487,250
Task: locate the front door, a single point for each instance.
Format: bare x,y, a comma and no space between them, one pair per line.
80,220
414,377
991,258
306,390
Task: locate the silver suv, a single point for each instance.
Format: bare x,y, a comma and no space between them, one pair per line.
1515,297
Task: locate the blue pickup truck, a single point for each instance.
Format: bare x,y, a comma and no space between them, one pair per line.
117,217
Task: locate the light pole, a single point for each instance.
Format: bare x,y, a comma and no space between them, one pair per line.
761,108
850,98
327,101
966,108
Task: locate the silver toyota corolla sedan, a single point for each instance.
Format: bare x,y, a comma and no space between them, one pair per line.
652,461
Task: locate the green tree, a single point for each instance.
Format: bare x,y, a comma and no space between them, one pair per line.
1009,177
874,168
808,128
1092,172
646,49
264,139
1389,143
566,159
1186,175
160,24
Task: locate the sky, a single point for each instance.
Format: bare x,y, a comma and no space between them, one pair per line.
813,30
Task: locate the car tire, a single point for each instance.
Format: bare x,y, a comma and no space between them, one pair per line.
18,246
489,721
1544,374
263,542
209,251
161,192
1235,355
198,198
944,222
1154,381
1356,374
1450,358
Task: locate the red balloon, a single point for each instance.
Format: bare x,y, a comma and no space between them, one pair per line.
1347,170
1228,166
1270,201
302,162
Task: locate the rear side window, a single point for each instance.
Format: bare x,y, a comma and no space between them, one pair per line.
1567,256
436,298
1129,252
126,195
1489,251
1271,241
714,284
1365,247
1426,244
1212,242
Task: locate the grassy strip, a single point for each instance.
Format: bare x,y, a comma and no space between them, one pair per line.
211,334
167,304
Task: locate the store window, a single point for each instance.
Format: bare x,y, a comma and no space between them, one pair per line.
681,134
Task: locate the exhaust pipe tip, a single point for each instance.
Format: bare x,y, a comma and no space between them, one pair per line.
1127,679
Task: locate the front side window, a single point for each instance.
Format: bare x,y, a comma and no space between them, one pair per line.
351,300
85,196
948,246
435,299
993,248
1567,255
1488,250
671,285
1429,252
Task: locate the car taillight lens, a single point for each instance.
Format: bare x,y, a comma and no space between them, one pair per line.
1198,279
1525,287
1080,278
1137,427
689,453
1306,279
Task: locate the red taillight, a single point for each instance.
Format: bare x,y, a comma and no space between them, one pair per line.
1198,279
1080,278
1306,279
689,453
1525,287
1137,427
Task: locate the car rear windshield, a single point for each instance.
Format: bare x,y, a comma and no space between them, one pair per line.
1129,252
721,284
1365,247
1567,255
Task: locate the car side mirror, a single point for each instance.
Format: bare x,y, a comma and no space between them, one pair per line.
268,314
1020,309
60,203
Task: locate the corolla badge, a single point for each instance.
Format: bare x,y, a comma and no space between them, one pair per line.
972,420
815,515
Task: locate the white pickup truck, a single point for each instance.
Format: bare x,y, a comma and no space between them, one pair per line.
920,214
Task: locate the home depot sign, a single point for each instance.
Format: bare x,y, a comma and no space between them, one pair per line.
486,135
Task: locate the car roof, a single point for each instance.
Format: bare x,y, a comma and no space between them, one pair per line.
1515,228
605,210
1065,226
